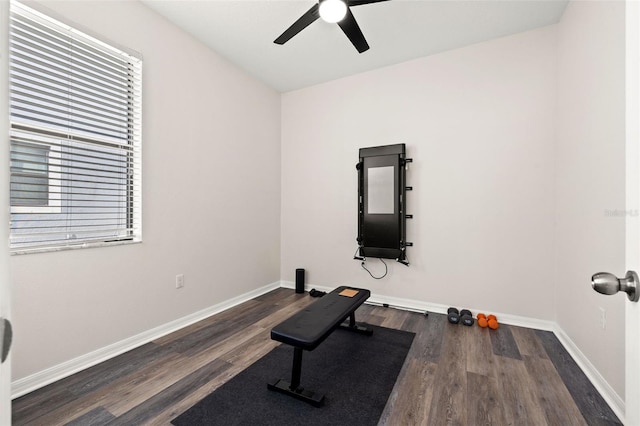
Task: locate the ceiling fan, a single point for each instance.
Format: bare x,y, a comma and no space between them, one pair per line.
332,11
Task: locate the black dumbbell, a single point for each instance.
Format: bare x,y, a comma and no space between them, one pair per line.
453,315
466,318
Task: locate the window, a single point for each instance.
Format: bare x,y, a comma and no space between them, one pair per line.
31,177
75,137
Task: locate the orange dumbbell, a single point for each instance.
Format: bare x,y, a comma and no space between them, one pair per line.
488,321
482,320
492,322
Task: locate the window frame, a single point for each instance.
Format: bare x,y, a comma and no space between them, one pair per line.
128,228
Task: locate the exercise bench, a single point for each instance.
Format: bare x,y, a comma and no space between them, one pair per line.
308,328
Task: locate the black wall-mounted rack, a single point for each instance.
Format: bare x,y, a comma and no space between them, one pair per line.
382,203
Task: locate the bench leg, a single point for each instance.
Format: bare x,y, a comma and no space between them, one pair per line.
353,326
294,389
296,371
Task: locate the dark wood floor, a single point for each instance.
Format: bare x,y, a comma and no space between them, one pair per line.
453,375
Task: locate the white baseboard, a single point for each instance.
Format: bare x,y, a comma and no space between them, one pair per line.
35,381
420,306
610,396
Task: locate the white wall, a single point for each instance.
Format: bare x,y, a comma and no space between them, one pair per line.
211,200
590,158
5,369
479,123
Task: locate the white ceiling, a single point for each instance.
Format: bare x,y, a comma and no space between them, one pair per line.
397,30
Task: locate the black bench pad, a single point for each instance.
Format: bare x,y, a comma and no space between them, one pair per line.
309,327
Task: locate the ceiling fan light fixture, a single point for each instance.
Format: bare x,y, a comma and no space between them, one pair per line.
332,11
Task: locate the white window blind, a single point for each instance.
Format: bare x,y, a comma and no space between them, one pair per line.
75,137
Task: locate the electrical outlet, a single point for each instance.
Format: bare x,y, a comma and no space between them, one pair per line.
603,318
179,281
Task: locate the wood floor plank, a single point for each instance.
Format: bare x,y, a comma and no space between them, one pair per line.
145,384
221,316
551,393
60,415
394,318
226,327
584,394
274,296
112,370
427,345
527,342
365,309
82,404
96,417
410,400
480,358
202,338
449,401
283,313
37,404
218,351
250,351
484,402
150,408
415,322
503,342
373,319
178,407
266,309
517,392
247,311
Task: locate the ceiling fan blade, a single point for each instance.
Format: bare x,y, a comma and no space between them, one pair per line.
361,2
352,31
302,23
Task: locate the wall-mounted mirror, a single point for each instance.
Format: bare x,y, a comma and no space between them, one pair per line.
381,202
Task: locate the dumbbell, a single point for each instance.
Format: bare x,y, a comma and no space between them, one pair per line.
488,321
453,315
492,322
466,318
482,320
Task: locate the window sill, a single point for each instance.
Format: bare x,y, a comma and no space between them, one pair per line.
22,251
